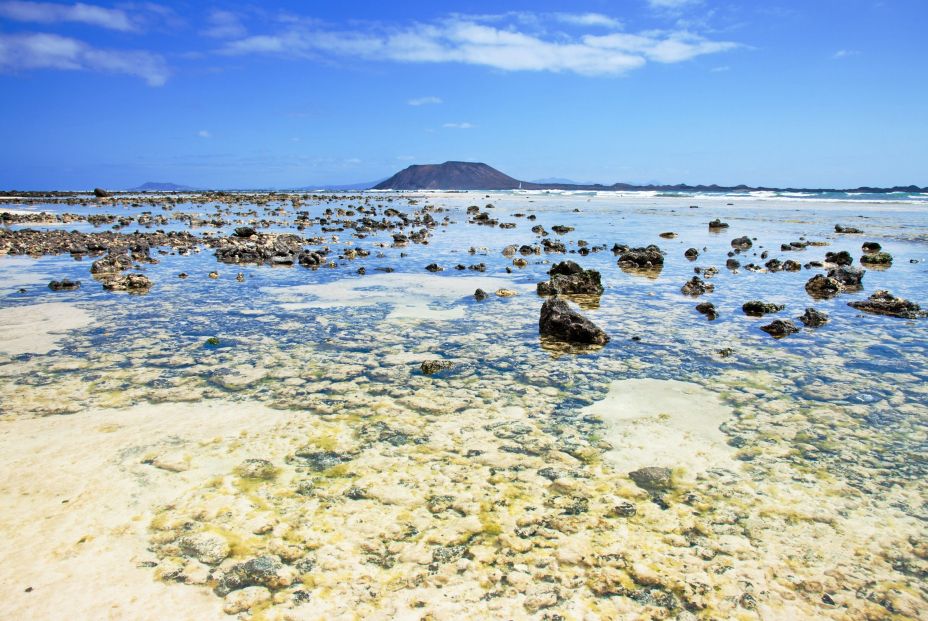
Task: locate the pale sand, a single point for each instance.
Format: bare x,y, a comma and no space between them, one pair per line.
38,328
81,557
410,296
664,423
17,272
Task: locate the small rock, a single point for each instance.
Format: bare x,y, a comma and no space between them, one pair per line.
652,478
883,302
209,548
877,258
741,243
757,308
780,328
260,469
813,318
480,295
505,293
697,286
64,285
245,599
430,367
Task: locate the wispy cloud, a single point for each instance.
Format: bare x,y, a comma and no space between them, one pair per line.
671,4
471,40
224,25
844,54
459,125
204,133
589,19
21,52
424,101
49,13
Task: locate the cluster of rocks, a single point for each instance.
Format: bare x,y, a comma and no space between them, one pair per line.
568,278
648,257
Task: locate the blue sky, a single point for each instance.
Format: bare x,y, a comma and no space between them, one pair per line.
792,93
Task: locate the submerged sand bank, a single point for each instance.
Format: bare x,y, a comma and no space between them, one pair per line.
80,498
38,328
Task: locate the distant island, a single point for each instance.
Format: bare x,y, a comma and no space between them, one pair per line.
162,186
480,176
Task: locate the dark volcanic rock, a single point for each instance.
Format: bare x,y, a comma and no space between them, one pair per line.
559,321
779,328
650,256
883,302
718,224
697,286
430,367
741,243
691,253
480,295
870,247
757,308
245,231
823,287
813,318
839,258
707,309
64,285
569,278
260,571
433,267
101,193
877,258
847,229
113,262
653,478
732,264
849,277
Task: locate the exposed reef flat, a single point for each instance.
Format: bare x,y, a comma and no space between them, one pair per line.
328,406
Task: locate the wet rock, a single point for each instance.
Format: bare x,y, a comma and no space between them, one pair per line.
773,265
870,247
113,262
653,478
430,367
691,253
480,295
847,229
758,308
133,283
668,235
101,193
505,293
823,287
842,257
877,258
707,309
260,469
732,264
245,231
883,302
310,259
559,321
209,548
266,571
623,508
718,224
433,267
791,266
569,278
697,286
849,277
780,328
647,257
813,318
562,230
64,285
245,599
741,243
318,460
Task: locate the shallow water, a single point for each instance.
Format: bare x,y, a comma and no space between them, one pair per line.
490,490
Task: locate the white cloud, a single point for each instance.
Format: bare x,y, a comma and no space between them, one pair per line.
49,51
459,125
424,101
203,133
671,4
844,54
465,40
589,19
48,13
224,25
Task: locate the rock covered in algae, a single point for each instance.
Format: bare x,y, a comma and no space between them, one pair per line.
885,303
559,321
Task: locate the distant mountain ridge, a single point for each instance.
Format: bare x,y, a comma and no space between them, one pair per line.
162,186
479,176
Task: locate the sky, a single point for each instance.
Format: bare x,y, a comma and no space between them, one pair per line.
823,93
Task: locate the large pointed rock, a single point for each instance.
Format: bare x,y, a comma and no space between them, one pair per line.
559,321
